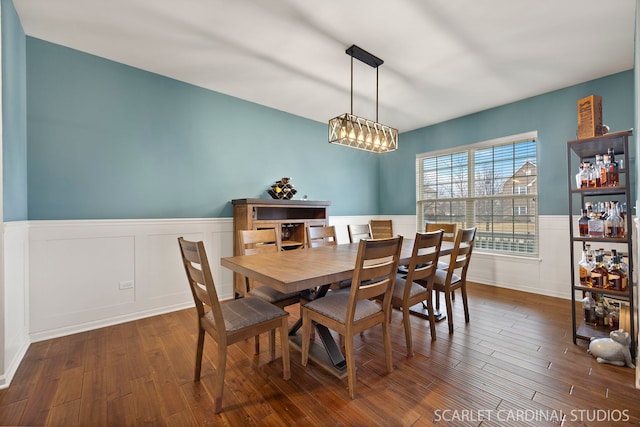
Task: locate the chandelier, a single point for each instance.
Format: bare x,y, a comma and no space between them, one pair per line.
357,132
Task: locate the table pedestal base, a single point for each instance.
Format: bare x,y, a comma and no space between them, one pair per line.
318,354
422,312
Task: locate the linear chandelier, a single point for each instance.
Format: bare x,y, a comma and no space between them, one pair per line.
357,132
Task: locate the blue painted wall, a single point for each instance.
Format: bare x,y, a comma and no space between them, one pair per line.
553,115
14,115
106,140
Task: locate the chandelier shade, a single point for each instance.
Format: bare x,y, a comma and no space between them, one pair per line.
357,132
363,134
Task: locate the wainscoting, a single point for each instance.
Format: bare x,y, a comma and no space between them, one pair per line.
64,277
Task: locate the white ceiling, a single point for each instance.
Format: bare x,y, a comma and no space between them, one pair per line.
443,58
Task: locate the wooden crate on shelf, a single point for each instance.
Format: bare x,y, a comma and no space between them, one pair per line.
590,117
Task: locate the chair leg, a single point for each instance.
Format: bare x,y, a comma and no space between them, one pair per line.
306,337
437,298
463,289
407,330
386,336
257,344
351,366
272,344
447,300
284,343
432,318
199,348
220,370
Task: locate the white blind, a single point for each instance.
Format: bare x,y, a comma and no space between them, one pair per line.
492,186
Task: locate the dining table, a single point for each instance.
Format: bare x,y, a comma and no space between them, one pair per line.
313,271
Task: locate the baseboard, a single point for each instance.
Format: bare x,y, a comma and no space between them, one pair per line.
88,326
7,376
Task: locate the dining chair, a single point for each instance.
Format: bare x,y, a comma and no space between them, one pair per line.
228,323
261,241
417,285
358,232
349,313
381,228
449,229
321,236
447,280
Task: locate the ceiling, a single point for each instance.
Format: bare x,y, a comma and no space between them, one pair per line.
442,58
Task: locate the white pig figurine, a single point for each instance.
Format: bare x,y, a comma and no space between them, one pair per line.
613,350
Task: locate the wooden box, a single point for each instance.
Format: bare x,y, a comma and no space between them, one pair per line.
590,117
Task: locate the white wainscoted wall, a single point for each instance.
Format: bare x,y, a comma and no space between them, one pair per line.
64,277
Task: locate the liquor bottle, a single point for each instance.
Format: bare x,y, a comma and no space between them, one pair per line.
598,168
614,254
594,176
589,309
616,275
603,170
585,170
589,207
614,318
599,314
600,274
585,268
583,224
595,226
615,225
620,269
612,169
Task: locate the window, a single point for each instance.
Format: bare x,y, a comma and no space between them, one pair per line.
491,185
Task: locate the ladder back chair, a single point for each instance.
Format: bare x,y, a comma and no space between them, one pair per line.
261,241
447,280
349,313
381,228
321,236
417,285
228,323
449,229
358,232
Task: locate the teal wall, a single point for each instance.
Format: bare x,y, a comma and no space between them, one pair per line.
14,115
106,140
553,115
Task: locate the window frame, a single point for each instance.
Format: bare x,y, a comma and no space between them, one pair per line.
471,198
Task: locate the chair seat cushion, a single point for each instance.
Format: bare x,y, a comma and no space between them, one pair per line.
244,312
401,282
334,305
441,277
271,295
443,265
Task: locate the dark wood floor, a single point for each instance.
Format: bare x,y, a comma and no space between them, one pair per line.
514,364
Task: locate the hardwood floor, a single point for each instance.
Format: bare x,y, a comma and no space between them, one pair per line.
513,364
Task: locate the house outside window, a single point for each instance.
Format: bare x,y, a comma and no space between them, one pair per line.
491,185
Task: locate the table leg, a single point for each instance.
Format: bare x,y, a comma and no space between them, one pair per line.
333,350
330,345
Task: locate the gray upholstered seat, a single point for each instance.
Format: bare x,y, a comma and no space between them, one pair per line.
241,313
335,304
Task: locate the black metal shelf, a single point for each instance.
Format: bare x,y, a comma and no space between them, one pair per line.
618,294
577,152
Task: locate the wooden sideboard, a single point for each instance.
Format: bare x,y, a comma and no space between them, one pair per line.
291,217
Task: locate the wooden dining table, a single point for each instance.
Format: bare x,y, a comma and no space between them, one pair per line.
312,269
